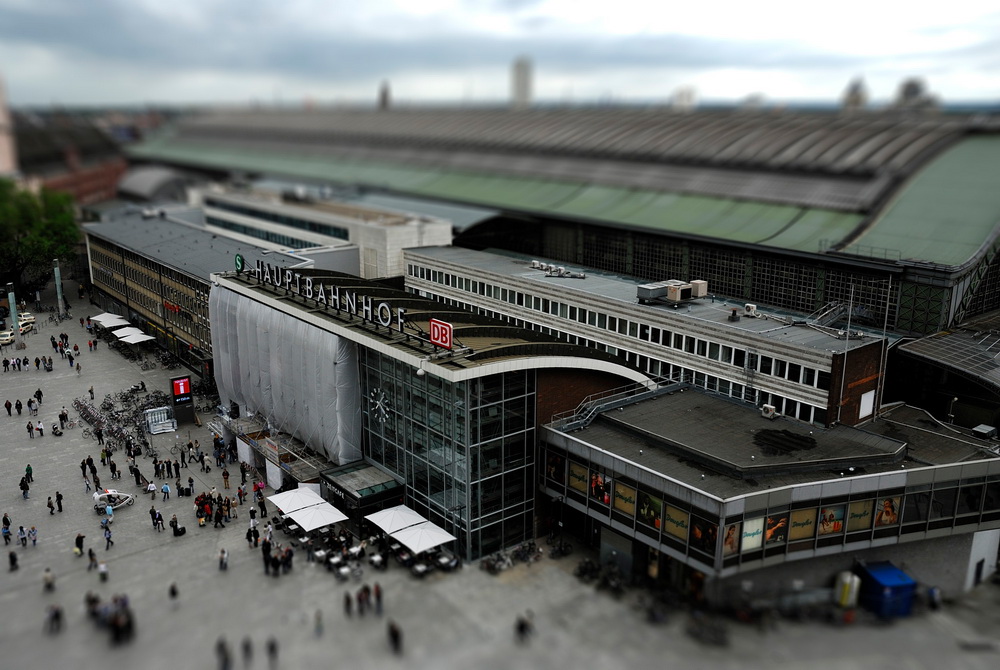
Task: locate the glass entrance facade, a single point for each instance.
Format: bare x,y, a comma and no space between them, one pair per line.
465,451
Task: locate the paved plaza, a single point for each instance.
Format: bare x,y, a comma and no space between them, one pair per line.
458,620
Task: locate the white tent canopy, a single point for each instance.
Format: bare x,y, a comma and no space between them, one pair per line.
423,536
395,518
116,323
137,338
125,332
317,516
289,501
107,316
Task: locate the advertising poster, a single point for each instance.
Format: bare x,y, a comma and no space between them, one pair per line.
578,477
600,488
802,524
831,520
703,535
731,539
776,529
675,522
625,499
650,510
859,515
887,511
753,534
555,468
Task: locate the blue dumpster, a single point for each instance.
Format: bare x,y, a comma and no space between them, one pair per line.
886,590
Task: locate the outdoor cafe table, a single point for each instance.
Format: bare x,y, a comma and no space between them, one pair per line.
320,555
293,528
419,569
376,560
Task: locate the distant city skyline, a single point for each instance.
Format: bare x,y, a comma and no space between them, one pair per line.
118,52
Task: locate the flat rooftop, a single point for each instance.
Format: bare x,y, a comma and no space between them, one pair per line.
179,241
774,324
353,212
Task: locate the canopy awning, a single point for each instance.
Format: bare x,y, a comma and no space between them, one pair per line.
317,516
395,518
125,332
423,536
111,325
289,501
107,316
136,338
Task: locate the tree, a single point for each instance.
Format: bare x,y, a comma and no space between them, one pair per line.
34,230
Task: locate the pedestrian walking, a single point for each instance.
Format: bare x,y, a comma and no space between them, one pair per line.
92,558
22,536
48,580
33,536
59,499
78,544
158,522
31,430
7,405
24,488
99,434
395,638
223,559
377,592
51,505
225,478
272,652
29,473
247,651
40,428
107,539
18,406
223,654
165,489
91,391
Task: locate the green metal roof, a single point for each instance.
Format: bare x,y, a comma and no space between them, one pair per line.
948,210
779,226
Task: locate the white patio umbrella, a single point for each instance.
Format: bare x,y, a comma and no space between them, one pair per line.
289,501
125,332
136,339
116,323
395,518
317,516
107,316
423,536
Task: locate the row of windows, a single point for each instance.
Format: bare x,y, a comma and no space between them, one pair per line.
787,529
283,219
740,358
260,234
662,369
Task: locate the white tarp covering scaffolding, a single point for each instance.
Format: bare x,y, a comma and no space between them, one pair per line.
302,379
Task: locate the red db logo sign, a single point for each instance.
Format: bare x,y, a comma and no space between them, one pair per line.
441,333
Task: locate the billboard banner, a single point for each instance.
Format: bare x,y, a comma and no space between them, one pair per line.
859,515
753,534
578,477
625,499
650,510
802,524
675,522
831,520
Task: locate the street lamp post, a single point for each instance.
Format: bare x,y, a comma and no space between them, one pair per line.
59,293
951,410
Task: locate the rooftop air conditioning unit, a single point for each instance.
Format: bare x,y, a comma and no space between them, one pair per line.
750,309
769,412
699,288
561,270
535,264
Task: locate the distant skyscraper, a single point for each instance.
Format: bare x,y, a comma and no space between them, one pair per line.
520,83
384,96
8,148
856,95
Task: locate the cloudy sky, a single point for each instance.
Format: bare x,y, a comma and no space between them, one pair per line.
331,51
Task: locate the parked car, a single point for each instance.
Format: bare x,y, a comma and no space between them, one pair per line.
7,337
26,317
